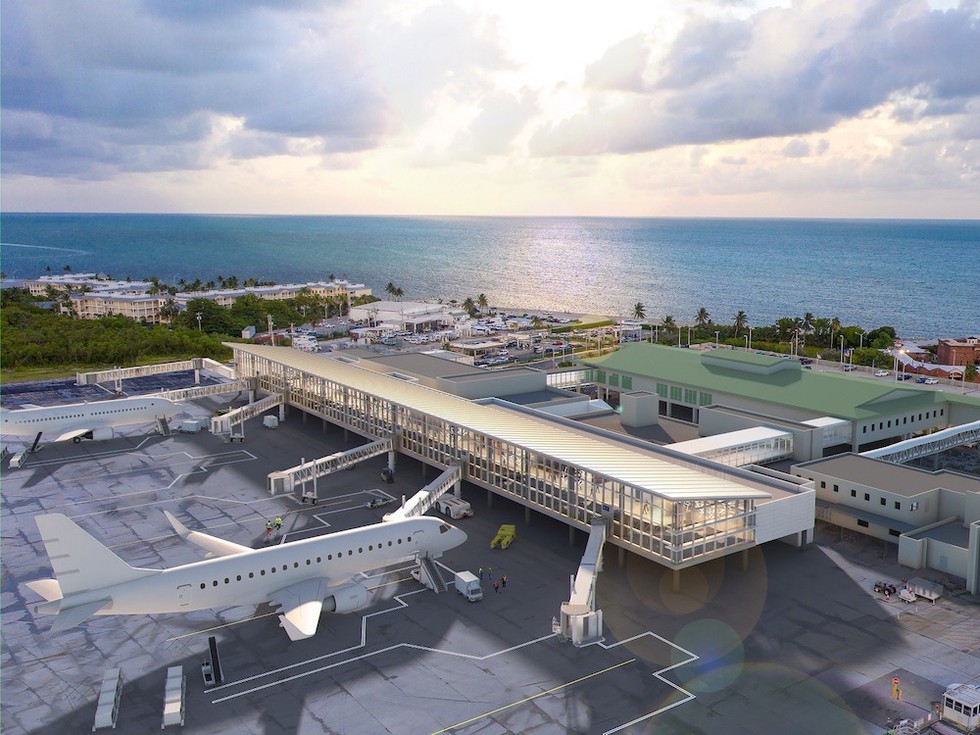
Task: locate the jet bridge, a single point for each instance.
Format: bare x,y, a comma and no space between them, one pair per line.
307,473
580,622
118,375
203,391
225,423
425,498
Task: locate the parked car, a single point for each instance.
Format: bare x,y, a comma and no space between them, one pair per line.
904,376
931,381
849,368
921,379
881,373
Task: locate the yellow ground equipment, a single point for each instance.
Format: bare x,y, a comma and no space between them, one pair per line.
505,536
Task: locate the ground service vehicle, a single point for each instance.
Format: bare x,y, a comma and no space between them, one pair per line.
468,586
453,507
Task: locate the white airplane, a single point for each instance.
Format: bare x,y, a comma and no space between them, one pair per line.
303,577
76,421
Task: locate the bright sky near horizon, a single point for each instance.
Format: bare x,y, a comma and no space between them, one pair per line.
809,108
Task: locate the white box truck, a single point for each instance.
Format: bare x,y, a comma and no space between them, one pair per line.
469,586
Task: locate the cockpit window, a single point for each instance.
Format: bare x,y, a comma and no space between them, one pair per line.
443,527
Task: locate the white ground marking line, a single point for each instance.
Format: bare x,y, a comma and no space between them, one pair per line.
658,675
688,696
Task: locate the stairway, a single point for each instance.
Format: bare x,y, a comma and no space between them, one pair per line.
431,575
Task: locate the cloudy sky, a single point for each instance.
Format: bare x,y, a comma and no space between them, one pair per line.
811,108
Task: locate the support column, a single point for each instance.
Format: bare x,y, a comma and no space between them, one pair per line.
571,535
621,556
346,434
323,428
527,516
489,498
282,411
305,415
391,460
676,586
197,376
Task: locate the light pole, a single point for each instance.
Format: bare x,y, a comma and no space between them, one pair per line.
861,343
272,335
717,332
750,338
746,338
842,351
198,315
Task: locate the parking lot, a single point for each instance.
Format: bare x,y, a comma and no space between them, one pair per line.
797,642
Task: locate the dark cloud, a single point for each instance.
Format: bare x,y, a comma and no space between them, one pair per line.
783,72
185,80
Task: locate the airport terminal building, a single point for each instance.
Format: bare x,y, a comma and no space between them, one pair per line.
674,509
724,390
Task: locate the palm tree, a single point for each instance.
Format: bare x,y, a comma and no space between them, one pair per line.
741,321
834,327
469,306
536,321
639,310
169,310
821,327
785,325
702,318
807,322
482,302
399,293
391,289
668,323
67,269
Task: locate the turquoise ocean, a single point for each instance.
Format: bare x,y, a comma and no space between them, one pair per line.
922,277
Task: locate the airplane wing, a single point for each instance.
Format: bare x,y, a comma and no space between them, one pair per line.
214,545
71,434
29,405
301,604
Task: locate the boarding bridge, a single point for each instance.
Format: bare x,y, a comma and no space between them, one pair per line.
219,368
203,391
307,473
224,424
425,498
923,446
580,622
118,374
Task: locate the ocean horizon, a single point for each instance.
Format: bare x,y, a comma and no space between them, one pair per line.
920,276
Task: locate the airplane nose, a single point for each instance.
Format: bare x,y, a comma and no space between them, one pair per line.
460,537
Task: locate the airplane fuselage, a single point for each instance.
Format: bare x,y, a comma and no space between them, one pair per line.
253,576
57,420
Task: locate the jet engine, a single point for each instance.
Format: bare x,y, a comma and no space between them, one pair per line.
346,599
102,434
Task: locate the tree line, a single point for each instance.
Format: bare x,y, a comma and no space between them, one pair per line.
34,337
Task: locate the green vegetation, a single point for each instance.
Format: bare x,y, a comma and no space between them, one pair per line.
37,343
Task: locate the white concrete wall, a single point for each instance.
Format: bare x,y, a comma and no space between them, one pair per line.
640,408
785,516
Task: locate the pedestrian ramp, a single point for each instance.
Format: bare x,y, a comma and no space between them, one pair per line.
223,424
425,498
305,474
579,620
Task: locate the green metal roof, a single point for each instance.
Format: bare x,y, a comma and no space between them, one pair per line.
826,394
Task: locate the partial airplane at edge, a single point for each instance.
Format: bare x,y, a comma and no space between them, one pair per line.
303,577
84,420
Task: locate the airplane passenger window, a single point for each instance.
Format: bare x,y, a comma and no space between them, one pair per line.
296,564
203,585
251,575
238,578
226,580
214,583
273,570
262,572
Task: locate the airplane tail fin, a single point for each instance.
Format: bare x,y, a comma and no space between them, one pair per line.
80,563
